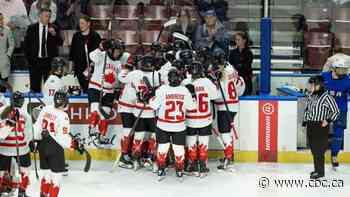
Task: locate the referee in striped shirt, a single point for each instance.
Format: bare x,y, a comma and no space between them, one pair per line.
321,109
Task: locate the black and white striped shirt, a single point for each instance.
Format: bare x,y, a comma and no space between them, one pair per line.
321,107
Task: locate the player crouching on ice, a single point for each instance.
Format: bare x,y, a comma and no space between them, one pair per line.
172,103
15,135
231,86
51,132
102,85
337,83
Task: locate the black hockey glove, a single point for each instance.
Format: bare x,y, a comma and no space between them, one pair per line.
191,89
145,96
117,92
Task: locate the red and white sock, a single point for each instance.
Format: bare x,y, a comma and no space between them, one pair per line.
179,151
191,143
137,144
162,155
228,142
203,142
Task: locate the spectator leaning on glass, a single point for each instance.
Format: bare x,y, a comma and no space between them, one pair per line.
242,58
184,24
321,110
211,34
40,4
41,46
6,49
85,39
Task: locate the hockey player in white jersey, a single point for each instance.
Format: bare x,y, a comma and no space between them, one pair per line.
143,81
52,133
107,64
126,107
199,120
172,102
15,133
231,86
54,82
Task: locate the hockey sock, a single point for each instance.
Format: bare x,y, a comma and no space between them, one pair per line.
93,118
151,149
162,154
24,179
56,180
103,127
228,151
45,183
179,151
337,140
137,144
203,142
125,141
191,142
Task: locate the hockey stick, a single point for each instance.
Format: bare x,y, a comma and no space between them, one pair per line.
34,153
184,38
166,24
81,149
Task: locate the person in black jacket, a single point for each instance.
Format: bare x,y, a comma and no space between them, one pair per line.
242,58
77,55
321,109
40,50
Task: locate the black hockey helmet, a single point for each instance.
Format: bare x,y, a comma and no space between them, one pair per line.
147,63
179,45
179,65
174,78
111,45
186,56
60,98
219,57
17,99
57,66
196,70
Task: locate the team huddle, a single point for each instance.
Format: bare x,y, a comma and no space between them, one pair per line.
170,102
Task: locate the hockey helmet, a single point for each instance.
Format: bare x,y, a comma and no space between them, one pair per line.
219,57
57,66
174,78
17,99
112,45
60,98
196,70
179,65
179,45
186,56
147,63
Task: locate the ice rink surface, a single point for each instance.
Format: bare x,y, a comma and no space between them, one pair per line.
247,181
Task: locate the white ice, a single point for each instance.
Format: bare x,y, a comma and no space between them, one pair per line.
100,182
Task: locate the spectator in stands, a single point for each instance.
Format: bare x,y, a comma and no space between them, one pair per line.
84,6
220,7
66,18
6,49
184,24
77,54
211,34
40,4
41,46
242,58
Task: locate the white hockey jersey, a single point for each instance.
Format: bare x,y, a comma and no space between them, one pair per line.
8,135
233,86
52,84
56,122
206,91
127,99
172,104
164,70
135,79
3,102
111,71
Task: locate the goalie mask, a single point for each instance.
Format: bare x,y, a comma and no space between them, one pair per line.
57,66
60,99
17,99
174,78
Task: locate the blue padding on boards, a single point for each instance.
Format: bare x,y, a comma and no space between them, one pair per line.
265,56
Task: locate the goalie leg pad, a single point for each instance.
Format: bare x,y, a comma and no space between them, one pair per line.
103,127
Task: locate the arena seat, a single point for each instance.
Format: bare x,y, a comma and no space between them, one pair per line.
147,37
125,25
128,12
318,19
100,16
318,47
156,12
184,2
103,33
129,37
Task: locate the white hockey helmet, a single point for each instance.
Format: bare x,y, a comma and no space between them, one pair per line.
340,61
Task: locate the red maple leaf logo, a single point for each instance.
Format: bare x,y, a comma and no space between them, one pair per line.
110,77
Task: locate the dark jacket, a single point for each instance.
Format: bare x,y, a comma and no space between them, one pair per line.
31,42
242,62
77,49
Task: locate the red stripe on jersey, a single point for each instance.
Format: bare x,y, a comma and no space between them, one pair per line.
99,85
142,107
228,102
19,138
192,111
198,117
171,121
126,104
13,145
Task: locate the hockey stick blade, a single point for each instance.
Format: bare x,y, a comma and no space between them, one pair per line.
170,22
181,37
